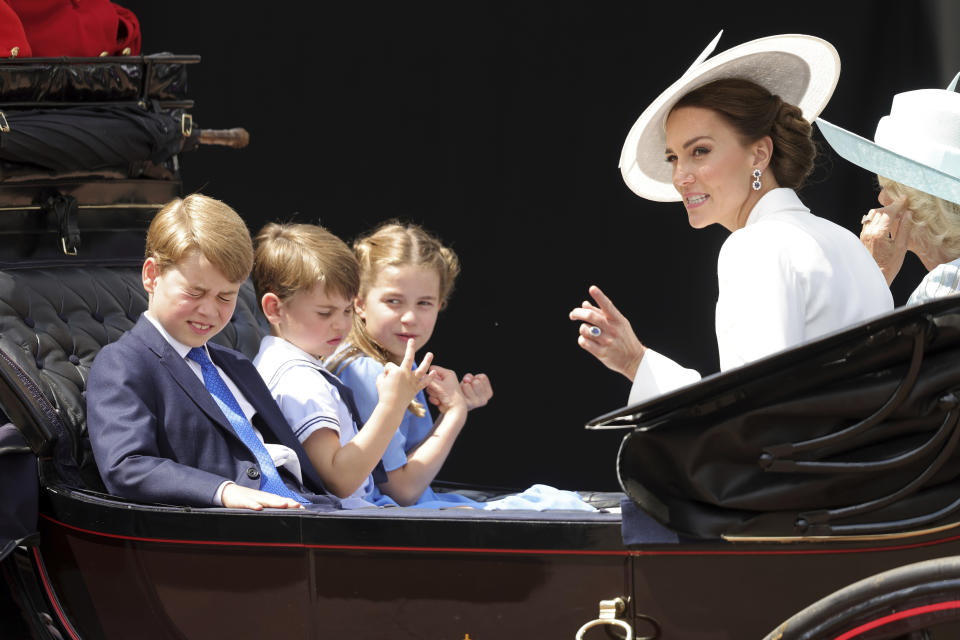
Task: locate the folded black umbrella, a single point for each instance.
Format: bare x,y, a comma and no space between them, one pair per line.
118,137
89,138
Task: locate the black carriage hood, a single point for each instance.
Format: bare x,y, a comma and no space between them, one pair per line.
853,433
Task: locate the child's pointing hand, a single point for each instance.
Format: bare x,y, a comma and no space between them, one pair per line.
401,383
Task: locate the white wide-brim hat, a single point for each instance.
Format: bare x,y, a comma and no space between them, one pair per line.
917,145
802,70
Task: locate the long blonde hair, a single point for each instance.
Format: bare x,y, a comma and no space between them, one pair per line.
394,244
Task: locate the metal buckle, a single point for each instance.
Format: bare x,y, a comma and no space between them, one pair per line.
4,125
186,125
63,243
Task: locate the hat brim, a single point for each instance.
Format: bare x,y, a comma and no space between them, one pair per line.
889,164
803,70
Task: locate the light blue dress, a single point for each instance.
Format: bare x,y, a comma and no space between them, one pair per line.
942,281
360,374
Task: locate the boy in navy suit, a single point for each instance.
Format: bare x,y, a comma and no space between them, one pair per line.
176,420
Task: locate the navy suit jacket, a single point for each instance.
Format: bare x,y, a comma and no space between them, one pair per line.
159,436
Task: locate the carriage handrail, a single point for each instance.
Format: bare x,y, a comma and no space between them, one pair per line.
770,459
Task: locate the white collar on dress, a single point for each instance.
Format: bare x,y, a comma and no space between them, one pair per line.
779,199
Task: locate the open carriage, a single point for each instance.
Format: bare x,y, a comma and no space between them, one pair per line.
747,497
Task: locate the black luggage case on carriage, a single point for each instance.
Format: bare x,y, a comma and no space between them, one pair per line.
89,150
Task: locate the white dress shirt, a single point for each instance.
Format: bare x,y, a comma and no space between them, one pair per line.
786,277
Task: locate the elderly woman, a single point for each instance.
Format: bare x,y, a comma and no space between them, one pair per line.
731,140
916,156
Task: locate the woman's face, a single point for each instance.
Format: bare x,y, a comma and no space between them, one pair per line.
712,169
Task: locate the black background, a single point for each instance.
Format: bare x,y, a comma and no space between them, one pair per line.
499,127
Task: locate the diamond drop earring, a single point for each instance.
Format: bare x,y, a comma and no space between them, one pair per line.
756,179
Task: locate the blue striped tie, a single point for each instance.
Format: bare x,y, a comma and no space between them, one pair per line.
270,480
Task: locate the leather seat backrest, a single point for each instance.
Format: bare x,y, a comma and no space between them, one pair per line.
53,323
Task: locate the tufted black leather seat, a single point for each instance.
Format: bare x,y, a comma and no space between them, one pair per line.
53,322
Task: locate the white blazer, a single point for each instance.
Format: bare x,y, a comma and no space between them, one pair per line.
786,277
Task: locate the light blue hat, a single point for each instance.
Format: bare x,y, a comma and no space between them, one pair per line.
917,145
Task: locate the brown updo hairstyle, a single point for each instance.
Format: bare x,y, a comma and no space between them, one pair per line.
754,112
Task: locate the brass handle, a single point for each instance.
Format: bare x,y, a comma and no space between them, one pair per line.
237,138
623,624
609,610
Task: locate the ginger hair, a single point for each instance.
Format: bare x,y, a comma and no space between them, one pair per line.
297,257
204,224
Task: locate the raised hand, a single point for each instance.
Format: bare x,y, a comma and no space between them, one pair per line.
476,389
885,234
399,384
445,392
607,334
237,496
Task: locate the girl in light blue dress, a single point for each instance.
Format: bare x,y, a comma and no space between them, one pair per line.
406,278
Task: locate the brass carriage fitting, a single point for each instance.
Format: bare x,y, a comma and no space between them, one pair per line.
609,610
66,251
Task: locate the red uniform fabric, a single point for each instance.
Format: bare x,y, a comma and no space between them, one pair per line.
76,28
13,40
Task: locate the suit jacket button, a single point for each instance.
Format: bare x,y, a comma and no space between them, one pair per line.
253,473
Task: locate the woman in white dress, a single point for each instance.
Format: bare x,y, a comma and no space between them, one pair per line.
732,140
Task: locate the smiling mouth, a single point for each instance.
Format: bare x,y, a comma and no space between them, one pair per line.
696,201
199,326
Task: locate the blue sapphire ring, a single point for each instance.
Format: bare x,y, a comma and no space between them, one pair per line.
596,332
